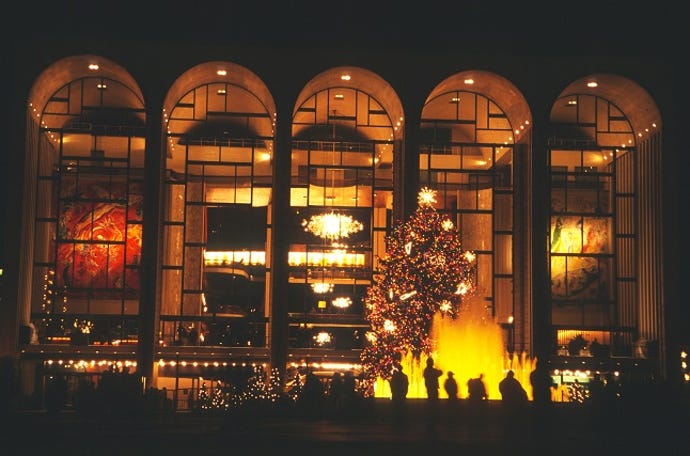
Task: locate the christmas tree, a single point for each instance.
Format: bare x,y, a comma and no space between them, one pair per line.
274,389
218,398
54,306
204,398
256,390
425,271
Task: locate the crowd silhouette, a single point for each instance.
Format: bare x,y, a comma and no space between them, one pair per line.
611,401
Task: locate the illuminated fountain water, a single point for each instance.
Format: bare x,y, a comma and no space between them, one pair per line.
470,345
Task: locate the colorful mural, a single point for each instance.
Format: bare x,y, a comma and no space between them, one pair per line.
99,236
579,276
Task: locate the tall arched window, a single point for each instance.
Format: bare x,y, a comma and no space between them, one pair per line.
341,205
467,154
217,206
593,234
88,216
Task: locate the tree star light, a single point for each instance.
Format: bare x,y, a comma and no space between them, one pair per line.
426,196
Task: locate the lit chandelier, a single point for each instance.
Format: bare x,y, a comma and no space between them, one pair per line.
332,226
322,287
322,338
342,302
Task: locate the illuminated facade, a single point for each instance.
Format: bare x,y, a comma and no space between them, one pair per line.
231,216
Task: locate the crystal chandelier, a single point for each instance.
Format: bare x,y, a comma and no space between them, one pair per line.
322,287
322,338
332,226
342,302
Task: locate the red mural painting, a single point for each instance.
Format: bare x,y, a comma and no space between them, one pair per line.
99,237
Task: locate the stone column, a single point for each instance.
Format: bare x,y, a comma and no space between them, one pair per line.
149,305
278,286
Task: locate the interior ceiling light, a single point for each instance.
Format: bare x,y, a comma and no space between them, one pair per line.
332,226
592,84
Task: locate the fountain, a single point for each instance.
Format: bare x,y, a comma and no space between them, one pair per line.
469,345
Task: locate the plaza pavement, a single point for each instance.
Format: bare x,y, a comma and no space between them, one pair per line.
376,429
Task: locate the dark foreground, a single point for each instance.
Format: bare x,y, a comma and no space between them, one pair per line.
378,429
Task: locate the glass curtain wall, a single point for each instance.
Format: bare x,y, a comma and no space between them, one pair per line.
340,207
592,237
216,219
466,154
88,223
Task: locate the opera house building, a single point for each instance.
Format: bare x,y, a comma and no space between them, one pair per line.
191,216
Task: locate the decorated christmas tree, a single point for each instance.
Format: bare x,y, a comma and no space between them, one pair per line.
256,390
204,398
54,306
218,397
425,271
274,388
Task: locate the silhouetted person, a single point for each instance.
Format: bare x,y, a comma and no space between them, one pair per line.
514,401
193,336
542,384
56,394
476,390
513,395
312,395
182,335
596,399
610,394
336,392
399,386
451,386
350,402
477,397
596,389
431,375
